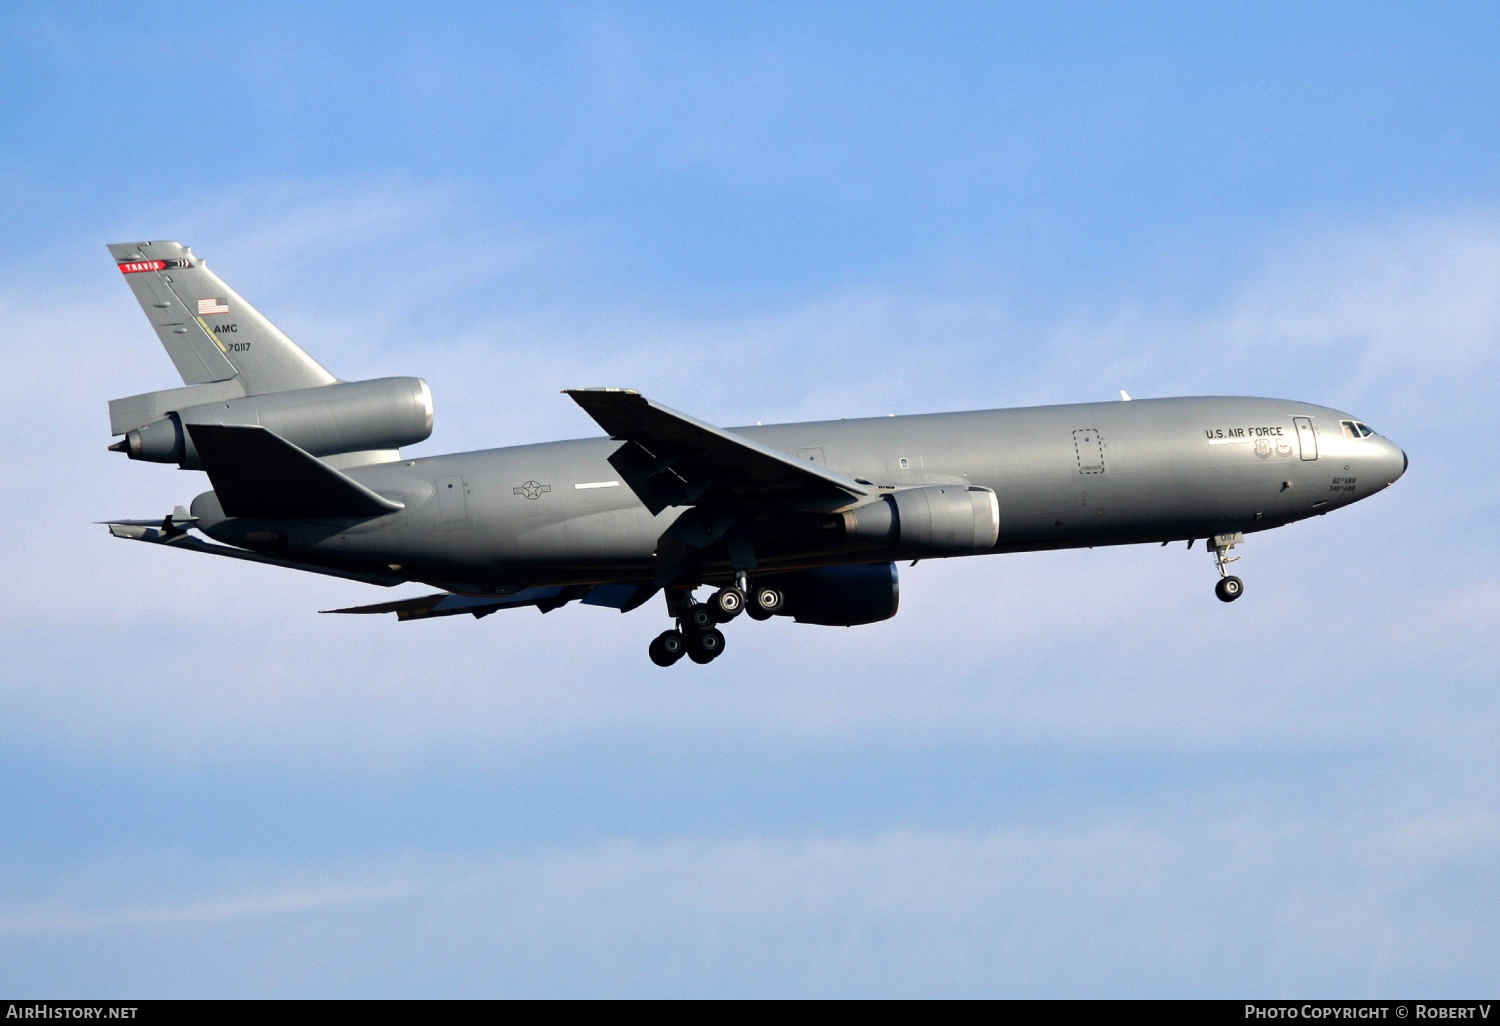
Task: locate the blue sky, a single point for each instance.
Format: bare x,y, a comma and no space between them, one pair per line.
1051,774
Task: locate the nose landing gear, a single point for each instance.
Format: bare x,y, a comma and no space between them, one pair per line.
1229,587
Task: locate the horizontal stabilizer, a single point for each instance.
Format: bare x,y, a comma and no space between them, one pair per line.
172,531
257,473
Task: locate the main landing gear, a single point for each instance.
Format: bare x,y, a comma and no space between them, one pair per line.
1229,587
697,634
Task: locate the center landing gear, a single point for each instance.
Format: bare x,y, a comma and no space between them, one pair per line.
1229,587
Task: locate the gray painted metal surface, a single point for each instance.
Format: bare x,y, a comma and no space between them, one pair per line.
672,502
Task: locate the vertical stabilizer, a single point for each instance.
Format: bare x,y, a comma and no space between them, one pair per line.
208,329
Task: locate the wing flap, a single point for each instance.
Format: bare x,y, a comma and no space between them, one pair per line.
623,597
445,604
257,473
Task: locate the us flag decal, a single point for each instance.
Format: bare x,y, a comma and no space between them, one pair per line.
212,306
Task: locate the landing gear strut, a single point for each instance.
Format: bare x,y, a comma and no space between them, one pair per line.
1229,587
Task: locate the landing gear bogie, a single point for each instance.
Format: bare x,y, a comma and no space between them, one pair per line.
668,647
697,634
705,646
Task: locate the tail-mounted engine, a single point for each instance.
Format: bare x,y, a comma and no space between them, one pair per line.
354,416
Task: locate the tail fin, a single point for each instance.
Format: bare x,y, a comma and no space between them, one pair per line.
208,330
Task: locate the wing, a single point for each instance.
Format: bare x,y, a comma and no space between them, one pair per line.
671,459
737,488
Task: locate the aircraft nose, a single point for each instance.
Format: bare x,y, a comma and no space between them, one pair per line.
1393,461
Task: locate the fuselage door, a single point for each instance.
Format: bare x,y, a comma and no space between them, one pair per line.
1307,439
451,502
1088,447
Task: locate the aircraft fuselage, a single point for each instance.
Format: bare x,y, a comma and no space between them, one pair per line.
1151,470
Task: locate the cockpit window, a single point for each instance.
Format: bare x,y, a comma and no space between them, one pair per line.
1364,429
1355,429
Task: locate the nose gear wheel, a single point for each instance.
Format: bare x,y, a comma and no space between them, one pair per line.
1229,587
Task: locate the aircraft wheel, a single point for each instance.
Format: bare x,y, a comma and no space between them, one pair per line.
1229,589
706,647
726,604
667,648
768,602
700,617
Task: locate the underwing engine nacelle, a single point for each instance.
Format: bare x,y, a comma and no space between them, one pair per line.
936,520
841,596
354,416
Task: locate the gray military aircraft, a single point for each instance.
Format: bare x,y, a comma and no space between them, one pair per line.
801,520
